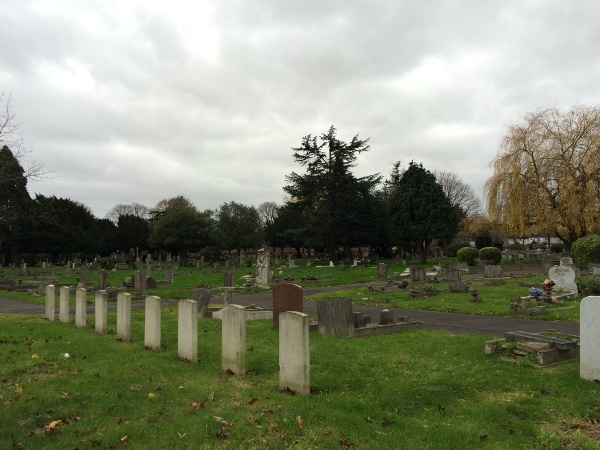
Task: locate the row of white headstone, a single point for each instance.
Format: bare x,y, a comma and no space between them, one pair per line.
294,349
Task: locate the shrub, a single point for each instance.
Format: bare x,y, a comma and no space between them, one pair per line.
586,250
107,263
557,248
490,254
453,248
468,255
590,285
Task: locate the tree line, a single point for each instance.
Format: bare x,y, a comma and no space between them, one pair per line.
545,181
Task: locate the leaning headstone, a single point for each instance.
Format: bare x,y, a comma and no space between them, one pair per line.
80,307
589,339
102,280
123,316
383,271
202,297
233,340
453,274
294,352
50,293
101,312
152,319
286,297
187,330
262,269
564,276
63,315
335,316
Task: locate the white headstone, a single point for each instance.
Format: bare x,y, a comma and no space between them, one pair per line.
50,292
101,301
123,316
294,352
152,323
233,339
564,276
589,339
80,307
187,330
262,269
64,304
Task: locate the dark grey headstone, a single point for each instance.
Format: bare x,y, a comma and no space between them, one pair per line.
335,317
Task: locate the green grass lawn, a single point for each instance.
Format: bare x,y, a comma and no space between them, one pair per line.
418,389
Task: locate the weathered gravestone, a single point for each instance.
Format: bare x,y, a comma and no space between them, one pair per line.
101,312
262,269
564,276
202,297
417,274
566,261
187,330
383,271
228,279
50,293
140,282
589,330
233,340
64,293
151,283
102,280
80,308
123,316
459,286
152,318
286,297
294,352
453,274
493,271
169,271
335,316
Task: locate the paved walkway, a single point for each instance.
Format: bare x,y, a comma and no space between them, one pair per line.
452,322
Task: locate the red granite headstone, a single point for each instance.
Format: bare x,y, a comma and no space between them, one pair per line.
286,297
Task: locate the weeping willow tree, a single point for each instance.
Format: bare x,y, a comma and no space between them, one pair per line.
546,176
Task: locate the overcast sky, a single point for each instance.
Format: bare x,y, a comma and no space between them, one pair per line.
140,100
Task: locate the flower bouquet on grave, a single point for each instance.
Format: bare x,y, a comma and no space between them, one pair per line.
548,285
536,293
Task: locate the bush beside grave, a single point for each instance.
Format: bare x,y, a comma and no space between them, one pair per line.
107,263
468,255
586,250
490,254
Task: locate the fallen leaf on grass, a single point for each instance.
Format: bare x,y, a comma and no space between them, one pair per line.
222,432
35,356
151,395
19,389
125,438
252,401
299,421
211,396
135,387
53,427
195,405
64,396
222,421
346,443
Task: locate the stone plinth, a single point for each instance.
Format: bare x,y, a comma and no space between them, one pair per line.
294,352
233,339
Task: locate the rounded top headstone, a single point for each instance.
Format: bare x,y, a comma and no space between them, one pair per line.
563,276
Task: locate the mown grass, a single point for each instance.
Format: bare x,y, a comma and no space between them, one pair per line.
419,389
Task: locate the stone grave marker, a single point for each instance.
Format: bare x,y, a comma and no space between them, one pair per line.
202,297
566,261
417,274
294,352
335,316
233,339
564,276
102,280
228,278
589,331
493,271
187,330
459,286
151,283
123,316
453,274
80,307
383,270
169,271
152,318
262,269
63,315
286,297
140,282
101,312
50,293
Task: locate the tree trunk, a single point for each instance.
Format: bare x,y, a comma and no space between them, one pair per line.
422,253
